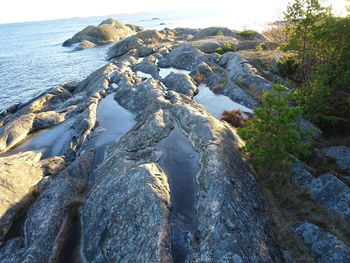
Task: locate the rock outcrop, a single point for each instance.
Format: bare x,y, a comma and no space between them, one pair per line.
324,247
170,186
107,31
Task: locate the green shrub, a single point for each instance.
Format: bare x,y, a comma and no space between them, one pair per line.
260,47
314,97
321,44
246,34
226,47
272,137
288,67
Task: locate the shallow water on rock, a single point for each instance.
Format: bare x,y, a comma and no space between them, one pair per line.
181,164
143,75
216,104
113,122
51,142
163,72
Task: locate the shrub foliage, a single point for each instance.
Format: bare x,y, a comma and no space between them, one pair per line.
272,137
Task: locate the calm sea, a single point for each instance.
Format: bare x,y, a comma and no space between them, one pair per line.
32,58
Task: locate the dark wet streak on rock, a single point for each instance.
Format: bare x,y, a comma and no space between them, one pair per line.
181,164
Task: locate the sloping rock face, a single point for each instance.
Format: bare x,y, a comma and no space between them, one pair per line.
216,31
326,190
18,176
124,196
45,222
211,43
108,31
181,83
341,155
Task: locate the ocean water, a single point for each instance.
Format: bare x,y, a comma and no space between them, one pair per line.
32,58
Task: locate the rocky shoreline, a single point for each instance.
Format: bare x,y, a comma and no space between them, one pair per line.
128,166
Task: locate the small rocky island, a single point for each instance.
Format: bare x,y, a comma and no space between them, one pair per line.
133,164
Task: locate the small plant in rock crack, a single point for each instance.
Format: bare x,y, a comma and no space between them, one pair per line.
226,47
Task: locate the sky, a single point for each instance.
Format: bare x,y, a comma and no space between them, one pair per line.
35,10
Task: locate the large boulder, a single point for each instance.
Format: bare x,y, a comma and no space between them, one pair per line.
217,31
151,36
245,75
108,31
181,83
211,43
146,66
124,46
186,57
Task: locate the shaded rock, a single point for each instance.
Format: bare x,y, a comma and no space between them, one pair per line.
109,30
47,119
83,126
247,44
84,45
258,36
243,74
146,66
124,46
163,63
9,110
324,246
180,82
309,128
145,50
301,176
341,155
53,166
331,193
18,176
288,258
150,36
210,44
203,73
219,83
216,31
135,28
238,95
46,219
180,31
15,131
96,81
185,57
